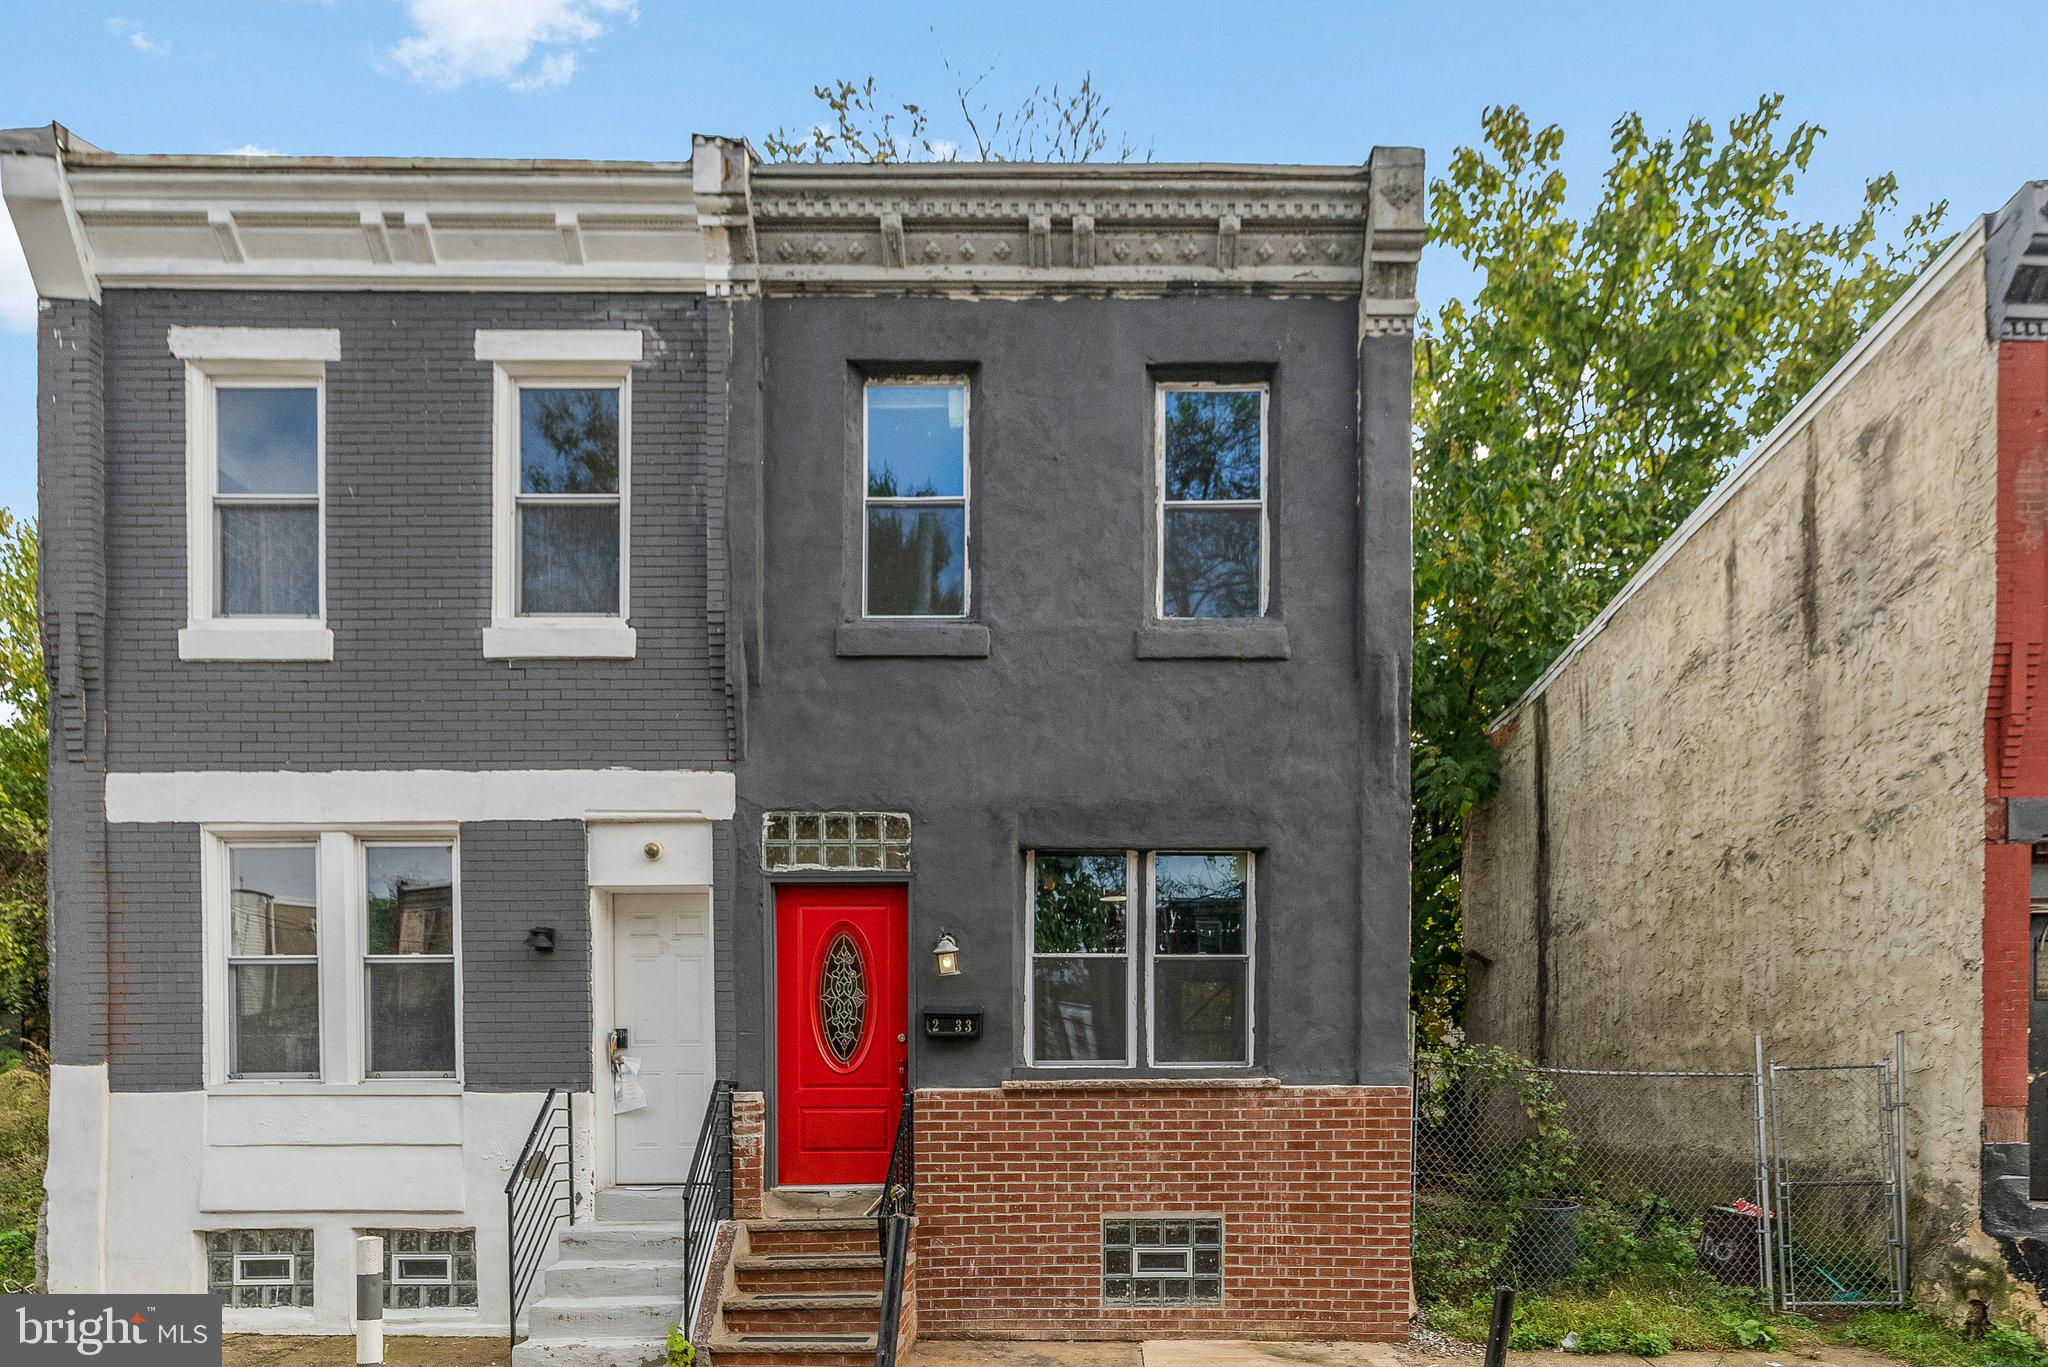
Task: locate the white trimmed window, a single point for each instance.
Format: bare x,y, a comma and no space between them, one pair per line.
1090,992
1212,525
255,475
914,550
338,957
561,543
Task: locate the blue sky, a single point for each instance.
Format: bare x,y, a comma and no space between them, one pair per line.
1917,89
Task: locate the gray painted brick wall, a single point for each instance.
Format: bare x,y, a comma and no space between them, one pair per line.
525,1015
155,964
408,550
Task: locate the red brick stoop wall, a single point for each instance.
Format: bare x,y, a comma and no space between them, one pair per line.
1313,1184
749,1154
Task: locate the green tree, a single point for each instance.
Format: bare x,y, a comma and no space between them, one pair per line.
24,761
1609,369
1050,123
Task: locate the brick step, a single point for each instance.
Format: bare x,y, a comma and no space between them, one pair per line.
793,1350
807,1272
802,1312
811,1236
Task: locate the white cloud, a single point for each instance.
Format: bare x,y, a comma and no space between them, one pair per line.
251,149
525,45
137,39
17,291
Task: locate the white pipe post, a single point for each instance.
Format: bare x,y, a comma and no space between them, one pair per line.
369,1301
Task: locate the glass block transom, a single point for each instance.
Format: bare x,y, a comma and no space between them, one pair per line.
835,840
416,1259
1164,1260
260,1269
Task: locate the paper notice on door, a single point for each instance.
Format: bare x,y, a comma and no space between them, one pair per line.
627,1093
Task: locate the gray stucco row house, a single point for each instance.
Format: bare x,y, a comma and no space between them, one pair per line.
554,662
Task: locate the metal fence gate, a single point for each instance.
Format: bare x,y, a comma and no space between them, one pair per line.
1836,1155
1785,1177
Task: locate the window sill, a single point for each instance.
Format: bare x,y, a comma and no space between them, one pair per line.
515,640
425,1086
1263,638
936,640
270,642
1149,1083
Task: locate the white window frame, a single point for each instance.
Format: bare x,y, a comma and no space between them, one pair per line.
964,501
600,358
1031,957
1161,504
364,959
1153,956
399,1278
342,936
275,358
291,1271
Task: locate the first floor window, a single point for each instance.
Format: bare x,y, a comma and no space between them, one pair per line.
1089,989
304,911
273,961
409,966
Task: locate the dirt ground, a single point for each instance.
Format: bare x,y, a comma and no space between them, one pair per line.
266,1350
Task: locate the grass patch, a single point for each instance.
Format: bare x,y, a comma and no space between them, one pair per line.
24,1147
1927,1340
1647,1318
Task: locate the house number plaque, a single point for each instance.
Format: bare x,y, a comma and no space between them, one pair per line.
952,1025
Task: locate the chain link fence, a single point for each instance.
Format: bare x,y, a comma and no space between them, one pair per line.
1781,1179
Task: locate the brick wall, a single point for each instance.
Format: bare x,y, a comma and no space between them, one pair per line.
408,511
749,1153
1312,1183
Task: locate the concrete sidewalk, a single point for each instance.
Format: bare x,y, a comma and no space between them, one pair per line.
1185,1353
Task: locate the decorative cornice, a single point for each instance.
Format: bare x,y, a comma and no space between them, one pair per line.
1018,229
720,223
2016,267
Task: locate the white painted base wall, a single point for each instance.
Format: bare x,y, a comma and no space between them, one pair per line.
135,1178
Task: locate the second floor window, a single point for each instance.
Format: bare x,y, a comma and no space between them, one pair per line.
571,463
1212,504
266,499
914,518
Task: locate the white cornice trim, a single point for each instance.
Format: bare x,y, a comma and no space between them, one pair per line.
1965,252
255,344
52,238
396,796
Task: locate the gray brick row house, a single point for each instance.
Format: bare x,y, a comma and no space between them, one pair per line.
607,627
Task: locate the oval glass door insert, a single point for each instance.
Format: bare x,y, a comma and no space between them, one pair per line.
843,996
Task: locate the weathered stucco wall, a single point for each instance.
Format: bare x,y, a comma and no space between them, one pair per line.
1754,801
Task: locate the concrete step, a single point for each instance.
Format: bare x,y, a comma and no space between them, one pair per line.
808,1272
639,1205
591,1353
812,1235
603,1317
793,1350
799,1203
804,1313
572,1278
620,1242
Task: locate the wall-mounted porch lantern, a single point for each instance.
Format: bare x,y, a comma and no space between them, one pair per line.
541,939
947,952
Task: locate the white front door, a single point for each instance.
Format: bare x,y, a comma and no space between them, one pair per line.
662,999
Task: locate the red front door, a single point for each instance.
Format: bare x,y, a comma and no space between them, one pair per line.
842,1018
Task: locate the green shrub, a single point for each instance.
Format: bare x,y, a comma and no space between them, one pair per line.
24,1148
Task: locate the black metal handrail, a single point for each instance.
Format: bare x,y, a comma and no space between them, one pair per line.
892,1231
540,1196
707,1197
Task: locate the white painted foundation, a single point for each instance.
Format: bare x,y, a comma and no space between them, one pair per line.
136,1178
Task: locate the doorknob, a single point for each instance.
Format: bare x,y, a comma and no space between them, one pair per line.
903,1039
619,1038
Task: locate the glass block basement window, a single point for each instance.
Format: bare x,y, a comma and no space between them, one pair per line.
1166,1260
428,1269
835,840
260,1269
